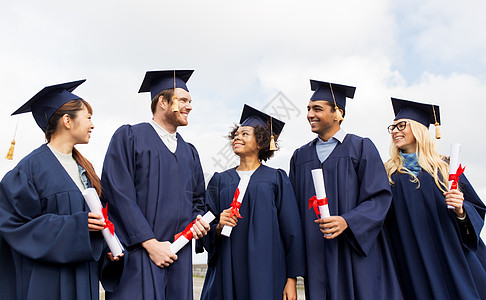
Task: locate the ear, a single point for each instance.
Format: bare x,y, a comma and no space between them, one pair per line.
163,103
67,122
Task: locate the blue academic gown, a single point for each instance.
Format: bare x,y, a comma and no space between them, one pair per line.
357,264
266,246
46,249
437,256
152,193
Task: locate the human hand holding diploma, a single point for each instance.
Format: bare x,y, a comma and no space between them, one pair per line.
319,201
455,170
94,204
184,237
235,205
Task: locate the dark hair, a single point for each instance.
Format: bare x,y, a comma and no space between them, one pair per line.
71,108
167,94
263,137
331,104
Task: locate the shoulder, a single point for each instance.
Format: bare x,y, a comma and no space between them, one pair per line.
359,144
34,163
304,150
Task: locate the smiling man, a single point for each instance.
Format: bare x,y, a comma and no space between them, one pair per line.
347,257
154,184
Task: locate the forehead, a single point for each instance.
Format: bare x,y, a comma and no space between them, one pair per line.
182,93
400,120
319,103
245,128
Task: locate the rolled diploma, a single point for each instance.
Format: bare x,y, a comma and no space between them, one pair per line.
319,186
181,241
454,163
94,204
242,185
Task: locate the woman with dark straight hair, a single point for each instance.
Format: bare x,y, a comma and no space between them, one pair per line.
51,246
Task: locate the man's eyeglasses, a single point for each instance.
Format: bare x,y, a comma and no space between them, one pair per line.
400,126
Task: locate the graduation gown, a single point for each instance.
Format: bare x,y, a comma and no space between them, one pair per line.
357,264
437,256
152,193
46,249
265,247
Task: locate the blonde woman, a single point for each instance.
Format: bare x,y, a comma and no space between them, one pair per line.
438,251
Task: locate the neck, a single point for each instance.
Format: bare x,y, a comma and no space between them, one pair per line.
248,163
170,128
325,136
61,144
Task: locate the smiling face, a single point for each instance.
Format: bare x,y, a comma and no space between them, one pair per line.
404,138
322,119
179,118
244,142
82,127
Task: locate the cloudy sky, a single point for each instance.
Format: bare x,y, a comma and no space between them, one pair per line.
262,53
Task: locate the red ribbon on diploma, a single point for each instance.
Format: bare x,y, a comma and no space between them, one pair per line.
314,202
187,233
108,223
235,205
455,177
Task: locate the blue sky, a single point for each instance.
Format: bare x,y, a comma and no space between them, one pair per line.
249,52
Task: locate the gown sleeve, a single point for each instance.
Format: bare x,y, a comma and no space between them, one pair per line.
118,185
470,228
365,221
45,237
290,227
212,204
198,205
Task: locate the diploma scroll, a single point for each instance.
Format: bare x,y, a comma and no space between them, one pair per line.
320,199
91,197
181,239
239,195
455,168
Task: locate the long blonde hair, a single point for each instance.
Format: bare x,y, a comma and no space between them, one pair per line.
428,158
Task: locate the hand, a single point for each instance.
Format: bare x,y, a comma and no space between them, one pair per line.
95,222
114,258
456,199
200,228
334,225
290,289
159,253
224,219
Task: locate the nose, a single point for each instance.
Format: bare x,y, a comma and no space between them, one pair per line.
310,114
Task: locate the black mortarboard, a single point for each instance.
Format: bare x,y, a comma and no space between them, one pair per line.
157,81
46,102
323,92
253,117
425,114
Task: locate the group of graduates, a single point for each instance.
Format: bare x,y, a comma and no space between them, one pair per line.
395,230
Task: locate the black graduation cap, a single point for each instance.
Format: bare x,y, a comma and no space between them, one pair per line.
425,114
253,117
46,102
323,92
157,81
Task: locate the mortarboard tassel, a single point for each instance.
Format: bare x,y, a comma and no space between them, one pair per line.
175,101
175,104
273,147
11,150
437,131
12,143
339,115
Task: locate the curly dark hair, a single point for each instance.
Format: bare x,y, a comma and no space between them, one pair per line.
263,137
